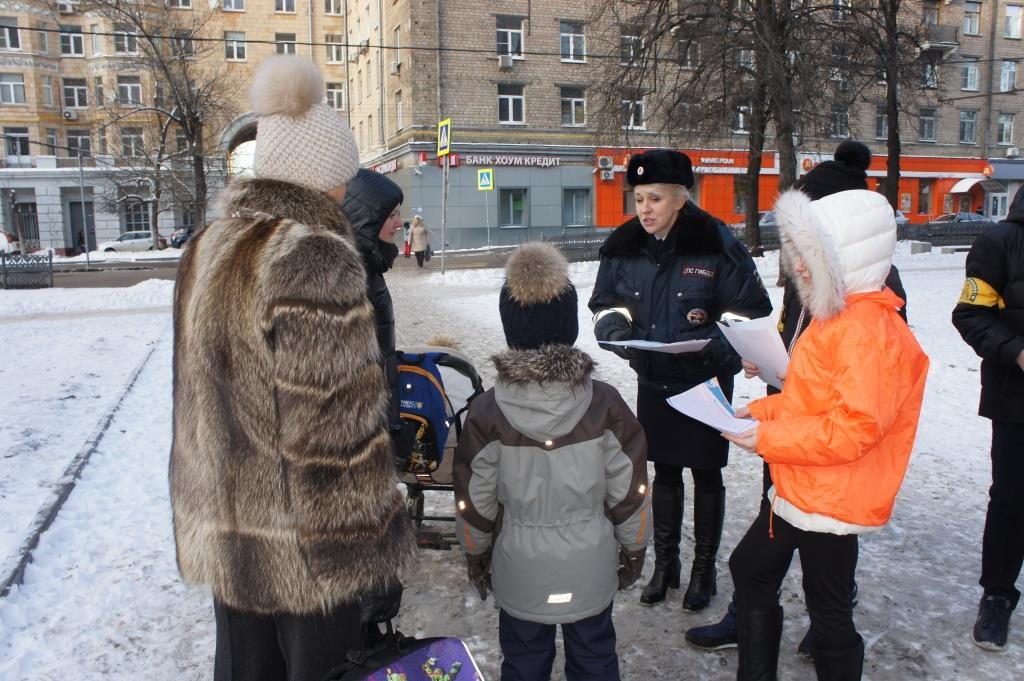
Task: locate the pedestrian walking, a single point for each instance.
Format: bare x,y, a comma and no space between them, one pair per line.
420,238
837,438
668,275
551,484
284,496
990,317
407,239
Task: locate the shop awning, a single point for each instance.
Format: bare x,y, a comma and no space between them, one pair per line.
964,186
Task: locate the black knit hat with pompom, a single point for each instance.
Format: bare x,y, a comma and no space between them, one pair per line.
538,304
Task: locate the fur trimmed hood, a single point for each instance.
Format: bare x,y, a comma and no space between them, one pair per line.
544,393
248,198
846,241
696,233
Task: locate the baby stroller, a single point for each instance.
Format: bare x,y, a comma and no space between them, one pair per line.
435,386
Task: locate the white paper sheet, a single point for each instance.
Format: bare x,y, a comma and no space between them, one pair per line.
706,403
758,341
676,348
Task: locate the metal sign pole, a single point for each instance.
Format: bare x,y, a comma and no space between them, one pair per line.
487,218
444,212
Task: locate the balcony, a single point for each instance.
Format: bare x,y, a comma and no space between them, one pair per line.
944,39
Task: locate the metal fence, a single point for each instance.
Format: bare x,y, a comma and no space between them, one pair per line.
580,246
26,271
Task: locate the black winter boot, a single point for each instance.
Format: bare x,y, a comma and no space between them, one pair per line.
708,514
667,509
759,634
840,665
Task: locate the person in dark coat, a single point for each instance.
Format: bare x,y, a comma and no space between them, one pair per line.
990,317
847,171
668,275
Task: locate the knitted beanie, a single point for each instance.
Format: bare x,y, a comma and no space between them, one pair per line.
538,304
299,139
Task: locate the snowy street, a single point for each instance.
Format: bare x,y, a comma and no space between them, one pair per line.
102,598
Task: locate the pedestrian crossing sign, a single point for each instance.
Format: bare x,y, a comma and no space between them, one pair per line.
485,179
444,137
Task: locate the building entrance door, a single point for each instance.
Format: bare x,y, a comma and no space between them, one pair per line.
78,236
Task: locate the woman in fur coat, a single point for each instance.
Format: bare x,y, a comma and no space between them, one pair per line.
837,438
283,490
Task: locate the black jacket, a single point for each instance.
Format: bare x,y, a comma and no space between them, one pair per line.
676,290
368,202
990,314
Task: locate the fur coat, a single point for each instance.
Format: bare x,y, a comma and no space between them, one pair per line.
282,483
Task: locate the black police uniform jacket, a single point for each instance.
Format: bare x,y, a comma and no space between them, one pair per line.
990,314
677,294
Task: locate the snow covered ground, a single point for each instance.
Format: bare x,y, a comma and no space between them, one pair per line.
102,598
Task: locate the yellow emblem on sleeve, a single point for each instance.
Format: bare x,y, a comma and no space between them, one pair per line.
978,292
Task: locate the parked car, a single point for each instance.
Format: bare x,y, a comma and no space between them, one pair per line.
769,229
901,219
180,236
9,243
131,241
951,229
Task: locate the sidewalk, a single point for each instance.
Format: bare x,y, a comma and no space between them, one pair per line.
459,260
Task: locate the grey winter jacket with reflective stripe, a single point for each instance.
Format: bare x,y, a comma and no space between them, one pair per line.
551,477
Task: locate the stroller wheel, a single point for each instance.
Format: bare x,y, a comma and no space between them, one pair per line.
414,504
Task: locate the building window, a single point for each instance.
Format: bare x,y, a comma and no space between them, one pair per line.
881,122
284,6
336,96
79,141
512,208
968,127
926,128
180,142
741,120
574,107
179,4
335,48
285,43
233,5
72,44
929,71
131,142
129,90
628,201
1012,28
510,104
47,91
136,216
510,36
924,196
234,45
75,93
43,39
840,9
633,114
10,39
125,41
1008,76
332,7
573,40
689,54
1004,129
12,88
930,13
745,60
101,138
630,45
51,141
399,112
16,143
740,188
972,18
969,73
839,121
576,208
182,44
96,38
397,42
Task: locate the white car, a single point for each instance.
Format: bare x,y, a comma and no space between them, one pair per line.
130,241
9,244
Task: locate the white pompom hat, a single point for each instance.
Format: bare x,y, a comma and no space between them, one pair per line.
299,138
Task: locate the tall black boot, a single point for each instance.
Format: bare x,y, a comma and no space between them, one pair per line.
759,634
708,514
667,509
840,665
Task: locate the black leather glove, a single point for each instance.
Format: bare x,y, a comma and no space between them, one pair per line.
479,569
631,564
382,604
614,326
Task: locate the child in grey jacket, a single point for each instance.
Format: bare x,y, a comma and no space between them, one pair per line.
552,501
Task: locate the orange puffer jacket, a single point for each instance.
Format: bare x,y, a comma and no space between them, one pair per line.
838,437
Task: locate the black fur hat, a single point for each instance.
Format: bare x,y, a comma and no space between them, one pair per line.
538,304
853,153
660,165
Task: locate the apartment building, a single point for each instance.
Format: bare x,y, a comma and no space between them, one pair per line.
514,76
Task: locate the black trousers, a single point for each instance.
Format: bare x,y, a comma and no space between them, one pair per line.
705,480
529,649
1002,546
759,563
283,647
419,257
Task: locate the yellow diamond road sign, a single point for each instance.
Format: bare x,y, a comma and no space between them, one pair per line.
485,179
444,137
